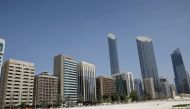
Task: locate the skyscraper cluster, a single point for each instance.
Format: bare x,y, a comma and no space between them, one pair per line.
151,84
73,82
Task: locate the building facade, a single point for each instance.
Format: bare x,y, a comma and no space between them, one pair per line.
148,61
87,82
114,61
45,89
149,87
181,76
165,87
2,48
65,68
18,81
105,86
173,90
138,84
124,83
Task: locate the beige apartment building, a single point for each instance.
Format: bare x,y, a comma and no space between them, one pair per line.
45,89
105,86
17,83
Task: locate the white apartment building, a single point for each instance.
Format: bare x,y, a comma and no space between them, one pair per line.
17,83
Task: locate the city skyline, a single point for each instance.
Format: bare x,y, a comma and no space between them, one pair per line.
39,45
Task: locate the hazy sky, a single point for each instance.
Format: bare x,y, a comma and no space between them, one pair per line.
37,30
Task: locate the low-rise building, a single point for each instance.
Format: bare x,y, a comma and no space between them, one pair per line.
105,86
45,89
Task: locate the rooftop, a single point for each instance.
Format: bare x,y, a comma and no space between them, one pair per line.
144,39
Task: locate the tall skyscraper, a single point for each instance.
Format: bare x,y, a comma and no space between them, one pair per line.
17,83
114,61
2,47
149,87
45,89
181,76
87,81
124,83
65,68
105,86
139,87
148,61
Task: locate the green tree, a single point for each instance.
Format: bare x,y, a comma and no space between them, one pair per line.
106,98
44,104
146,97
115,97
134,96
122,98
22,105
127,99
81,99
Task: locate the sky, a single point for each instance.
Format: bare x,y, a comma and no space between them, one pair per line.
37,30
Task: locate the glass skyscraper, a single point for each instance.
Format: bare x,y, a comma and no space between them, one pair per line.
2,47
181,76
148,61
114,61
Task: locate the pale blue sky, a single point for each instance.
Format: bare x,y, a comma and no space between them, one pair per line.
37,30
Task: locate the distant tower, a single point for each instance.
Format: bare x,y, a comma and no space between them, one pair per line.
148,61
2,47
181,76
114,61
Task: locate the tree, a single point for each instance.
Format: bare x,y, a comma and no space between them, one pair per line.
115,97
146,97
81,99
127,99
43,104
106,98
134,96
122,98
22,105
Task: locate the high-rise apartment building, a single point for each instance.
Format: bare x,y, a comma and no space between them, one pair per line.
65,68
165,87
17,83
181,76
149,87
114,61
148,61
45,89
87,81
124,83
105,86
138,84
